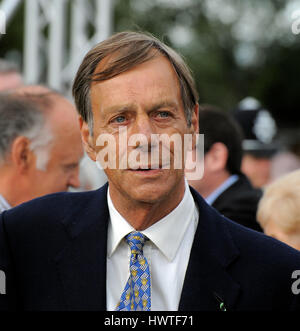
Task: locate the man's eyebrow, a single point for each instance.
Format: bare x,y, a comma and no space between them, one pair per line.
71,165
119,109
165,104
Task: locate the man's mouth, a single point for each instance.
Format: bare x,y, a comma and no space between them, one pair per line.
149,168
145,169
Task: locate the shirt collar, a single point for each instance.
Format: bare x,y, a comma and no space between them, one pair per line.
4,205
118,227
223,187
164,233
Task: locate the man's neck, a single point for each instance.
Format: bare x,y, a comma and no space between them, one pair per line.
11,187
141,215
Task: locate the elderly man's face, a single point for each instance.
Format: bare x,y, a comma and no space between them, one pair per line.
145,100
66,151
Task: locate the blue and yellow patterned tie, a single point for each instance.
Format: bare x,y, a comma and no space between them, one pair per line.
137,292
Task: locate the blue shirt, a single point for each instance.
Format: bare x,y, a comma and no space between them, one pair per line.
4,205
216,193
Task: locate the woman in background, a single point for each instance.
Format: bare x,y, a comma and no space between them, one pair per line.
279,209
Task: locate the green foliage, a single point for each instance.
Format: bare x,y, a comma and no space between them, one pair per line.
211,48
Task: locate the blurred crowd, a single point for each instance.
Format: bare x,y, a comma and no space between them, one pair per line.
249,175
38,125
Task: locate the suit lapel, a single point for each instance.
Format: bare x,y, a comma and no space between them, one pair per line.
207,283
82,263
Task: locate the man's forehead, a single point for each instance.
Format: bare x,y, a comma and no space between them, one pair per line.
115,61
156,75
133,87
104,63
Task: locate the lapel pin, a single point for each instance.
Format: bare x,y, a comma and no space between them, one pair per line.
222,306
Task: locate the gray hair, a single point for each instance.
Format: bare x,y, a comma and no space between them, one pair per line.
22,117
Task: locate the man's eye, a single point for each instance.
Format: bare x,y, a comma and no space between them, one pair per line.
70,167
163,114
119,119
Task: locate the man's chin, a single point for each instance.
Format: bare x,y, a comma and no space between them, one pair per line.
152,197
143,186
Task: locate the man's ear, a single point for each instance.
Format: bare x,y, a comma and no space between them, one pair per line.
87,139
195,119
194,127
217,156
21,154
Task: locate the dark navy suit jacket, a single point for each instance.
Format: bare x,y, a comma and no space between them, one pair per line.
53,252
239,203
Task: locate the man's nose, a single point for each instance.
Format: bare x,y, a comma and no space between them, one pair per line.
143,126
73,180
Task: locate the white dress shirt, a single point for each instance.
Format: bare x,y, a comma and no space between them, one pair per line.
4,205
167,253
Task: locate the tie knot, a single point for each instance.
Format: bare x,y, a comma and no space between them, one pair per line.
136,241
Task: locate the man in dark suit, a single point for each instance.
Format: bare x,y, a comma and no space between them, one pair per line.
71,251
239,202
223,185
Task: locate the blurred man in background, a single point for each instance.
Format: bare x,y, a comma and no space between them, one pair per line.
40,145
223,185
259,129
10,77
